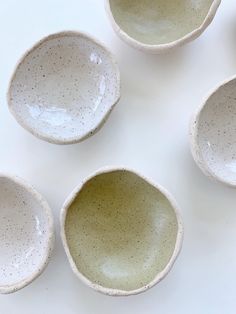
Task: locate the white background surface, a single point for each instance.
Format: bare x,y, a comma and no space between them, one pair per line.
148,131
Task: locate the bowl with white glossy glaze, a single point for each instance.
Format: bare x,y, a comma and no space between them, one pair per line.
26,234
64,88
213,134
121,232
156,26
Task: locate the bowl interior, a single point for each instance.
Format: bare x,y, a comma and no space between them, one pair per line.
216,134
121,231
156,22
64,87
23,234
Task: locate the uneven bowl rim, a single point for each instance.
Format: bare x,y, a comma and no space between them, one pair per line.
161,48
159,276
76,139
7,289
193,136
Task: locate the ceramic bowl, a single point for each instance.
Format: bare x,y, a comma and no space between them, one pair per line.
64,88
213,134
26,234
121,232
159,25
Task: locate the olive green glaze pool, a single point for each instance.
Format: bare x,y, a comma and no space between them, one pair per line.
120,231
156,22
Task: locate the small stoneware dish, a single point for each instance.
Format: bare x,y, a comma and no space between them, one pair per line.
213,134
64,88
26,234
121,232
157,26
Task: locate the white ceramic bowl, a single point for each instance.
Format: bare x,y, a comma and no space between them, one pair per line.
121,232
213,134
157,26
26,234
64,88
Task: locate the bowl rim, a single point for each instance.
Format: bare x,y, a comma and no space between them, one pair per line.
194,132
91,131
7,289
161,275
161,48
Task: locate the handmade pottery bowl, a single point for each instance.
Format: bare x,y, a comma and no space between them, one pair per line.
64,88
159,25
121,233
213,134
26,234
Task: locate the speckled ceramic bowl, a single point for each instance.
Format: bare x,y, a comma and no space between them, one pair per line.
121,232
64,88
159,25
213,134
26,234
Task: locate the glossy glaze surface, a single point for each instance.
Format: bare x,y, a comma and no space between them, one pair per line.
160,22
121,231
64,88
215,134
26,235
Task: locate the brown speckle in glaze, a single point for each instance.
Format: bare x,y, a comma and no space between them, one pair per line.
157,26
26,234
213,134
64,88
120,232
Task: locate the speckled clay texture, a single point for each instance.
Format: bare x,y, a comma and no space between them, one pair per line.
26,234
121,233
213,134
64,88
158,25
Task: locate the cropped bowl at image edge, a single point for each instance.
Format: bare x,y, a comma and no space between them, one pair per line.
26,234
213,134
121,232
157,26
64,88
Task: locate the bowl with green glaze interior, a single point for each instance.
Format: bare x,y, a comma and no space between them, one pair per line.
157,26
121,232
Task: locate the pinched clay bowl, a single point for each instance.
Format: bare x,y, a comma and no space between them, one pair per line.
159,25
26,234
121,232
213,134
64,88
